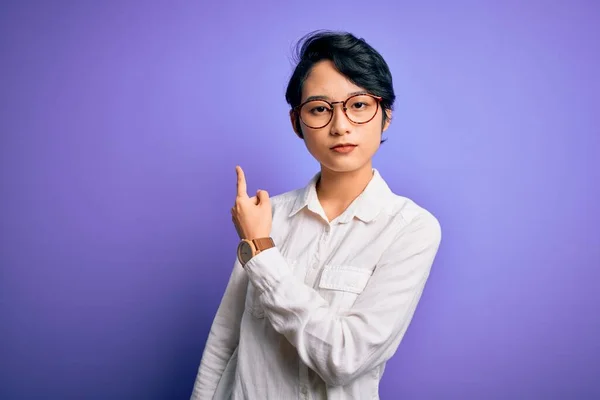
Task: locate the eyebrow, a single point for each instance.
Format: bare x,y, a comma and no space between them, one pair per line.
323,97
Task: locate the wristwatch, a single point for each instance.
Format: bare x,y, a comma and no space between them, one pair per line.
249,248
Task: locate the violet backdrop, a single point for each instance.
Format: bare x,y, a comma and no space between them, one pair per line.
121,124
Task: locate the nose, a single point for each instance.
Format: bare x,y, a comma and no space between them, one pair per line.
340,125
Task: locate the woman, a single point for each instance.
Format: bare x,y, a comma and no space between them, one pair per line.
328,276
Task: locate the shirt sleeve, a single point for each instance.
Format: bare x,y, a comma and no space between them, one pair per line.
341,346
223,337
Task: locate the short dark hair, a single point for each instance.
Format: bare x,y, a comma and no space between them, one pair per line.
353,57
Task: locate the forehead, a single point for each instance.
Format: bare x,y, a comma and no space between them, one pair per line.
326,81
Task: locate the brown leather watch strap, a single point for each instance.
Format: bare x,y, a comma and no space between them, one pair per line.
262,244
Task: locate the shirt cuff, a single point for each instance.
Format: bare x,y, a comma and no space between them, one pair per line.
267,268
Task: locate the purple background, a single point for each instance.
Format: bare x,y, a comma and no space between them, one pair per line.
121,124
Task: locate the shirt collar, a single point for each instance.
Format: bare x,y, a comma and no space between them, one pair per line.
365,207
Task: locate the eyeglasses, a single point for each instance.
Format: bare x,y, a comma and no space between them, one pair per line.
359,109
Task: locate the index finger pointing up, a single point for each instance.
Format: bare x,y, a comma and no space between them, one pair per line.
241,182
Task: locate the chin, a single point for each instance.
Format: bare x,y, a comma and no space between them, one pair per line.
344,165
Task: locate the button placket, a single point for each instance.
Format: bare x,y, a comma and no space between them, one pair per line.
324,242
315,264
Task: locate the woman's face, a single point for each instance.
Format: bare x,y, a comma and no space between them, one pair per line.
325,82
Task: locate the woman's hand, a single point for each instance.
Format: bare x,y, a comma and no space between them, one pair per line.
251,215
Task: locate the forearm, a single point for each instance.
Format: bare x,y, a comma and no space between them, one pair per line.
341,345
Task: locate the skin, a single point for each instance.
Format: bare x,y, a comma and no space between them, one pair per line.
343,176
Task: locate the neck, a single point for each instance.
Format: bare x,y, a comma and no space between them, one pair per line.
339,189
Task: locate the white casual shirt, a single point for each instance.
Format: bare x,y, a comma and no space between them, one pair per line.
319,315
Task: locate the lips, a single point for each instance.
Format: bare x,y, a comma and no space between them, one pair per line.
343,148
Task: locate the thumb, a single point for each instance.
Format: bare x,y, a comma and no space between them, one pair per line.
263,196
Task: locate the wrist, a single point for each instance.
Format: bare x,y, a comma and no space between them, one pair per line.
255,236
249,248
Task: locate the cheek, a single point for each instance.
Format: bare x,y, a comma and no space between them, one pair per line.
311,140
312,146
373,136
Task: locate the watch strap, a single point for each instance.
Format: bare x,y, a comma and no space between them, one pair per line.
262,244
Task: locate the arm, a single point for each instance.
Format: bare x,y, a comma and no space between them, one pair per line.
223,337
341,346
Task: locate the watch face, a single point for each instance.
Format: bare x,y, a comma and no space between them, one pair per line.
244,252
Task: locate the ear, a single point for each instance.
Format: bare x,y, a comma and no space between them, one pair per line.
295,124
388,120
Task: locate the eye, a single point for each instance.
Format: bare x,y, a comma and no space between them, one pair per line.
319,110
359,105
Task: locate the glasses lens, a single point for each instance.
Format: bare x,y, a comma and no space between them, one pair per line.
315,113
361,108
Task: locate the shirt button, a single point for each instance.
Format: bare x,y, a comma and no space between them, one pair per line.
304,390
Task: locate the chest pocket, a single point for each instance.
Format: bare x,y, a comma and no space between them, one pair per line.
253,304
340,285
